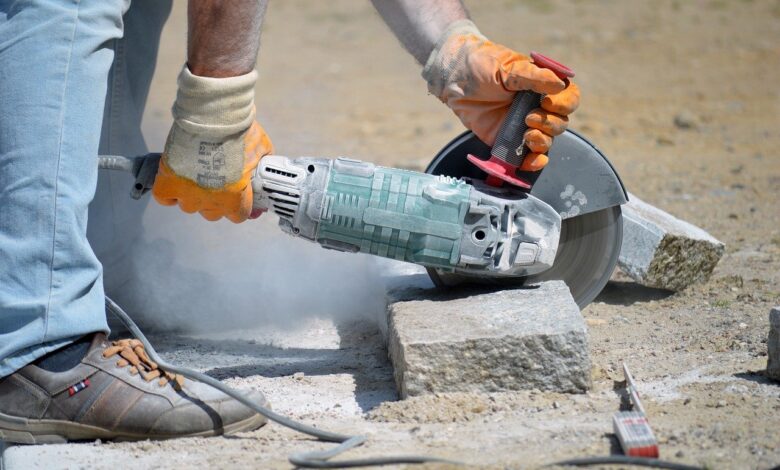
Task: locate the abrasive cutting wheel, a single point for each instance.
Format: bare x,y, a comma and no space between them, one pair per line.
589,244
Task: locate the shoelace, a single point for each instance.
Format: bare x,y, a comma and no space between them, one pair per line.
132,353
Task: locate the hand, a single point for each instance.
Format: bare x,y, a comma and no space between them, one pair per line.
478,80
213,148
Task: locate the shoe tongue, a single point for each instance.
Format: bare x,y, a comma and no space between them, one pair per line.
98,340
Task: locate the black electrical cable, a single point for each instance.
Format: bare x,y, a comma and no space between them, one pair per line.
319,459
623,460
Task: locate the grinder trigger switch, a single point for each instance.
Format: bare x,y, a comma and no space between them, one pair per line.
509,150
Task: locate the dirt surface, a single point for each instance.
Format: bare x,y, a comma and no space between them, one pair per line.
680,95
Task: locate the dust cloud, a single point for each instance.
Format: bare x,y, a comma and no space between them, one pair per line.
191,275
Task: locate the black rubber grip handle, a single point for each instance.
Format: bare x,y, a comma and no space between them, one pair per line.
509,145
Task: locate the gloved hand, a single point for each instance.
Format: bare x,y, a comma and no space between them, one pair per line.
478,80
213,147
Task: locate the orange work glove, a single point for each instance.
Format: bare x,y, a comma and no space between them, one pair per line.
213,147
478,80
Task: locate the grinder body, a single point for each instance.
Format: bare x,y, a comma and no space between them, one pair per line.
434,221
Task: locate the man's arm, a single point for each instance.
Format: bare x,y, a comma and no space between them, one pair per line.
477,78
215,143
419,25
224,36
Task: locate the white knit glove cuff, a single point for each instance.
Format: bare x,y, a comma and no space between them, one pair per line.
438,68
215,107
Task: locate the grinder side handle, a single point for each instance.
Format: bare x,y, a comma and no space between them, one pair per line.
510,144
509,150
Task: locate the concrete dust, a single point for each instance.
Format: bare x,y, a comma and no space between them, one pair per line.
335,371
669,388
193,276
680,97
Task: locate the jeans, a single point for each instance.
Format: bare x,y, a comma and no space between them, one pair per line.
71,86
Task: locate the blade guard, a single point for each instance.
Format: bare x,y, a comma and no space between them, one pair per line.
574,162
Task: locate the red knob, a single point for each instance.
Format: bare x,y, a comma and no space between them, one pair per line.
558,68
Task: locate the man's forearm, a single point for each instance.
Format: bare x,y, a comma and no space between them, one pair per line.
224,36
418,24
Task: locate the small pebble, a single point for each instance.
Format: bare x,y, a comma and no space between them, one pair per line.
685,120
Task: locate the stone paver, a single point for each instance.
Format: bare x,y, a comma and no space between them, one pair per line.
662,251
533,337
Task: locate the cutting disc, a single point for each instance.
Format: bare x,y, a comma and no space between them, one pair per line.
588,249
587,254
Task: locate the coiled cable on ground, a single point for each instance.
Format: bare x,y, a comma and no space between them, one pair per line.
318,459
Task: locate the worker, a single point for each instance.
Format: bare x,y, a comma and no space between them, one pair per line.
64,64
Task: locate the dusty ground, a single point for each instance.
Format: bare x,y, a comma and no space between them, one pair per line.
680,95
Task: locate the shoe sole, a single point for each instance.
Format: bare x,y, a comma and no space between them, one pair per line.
14,430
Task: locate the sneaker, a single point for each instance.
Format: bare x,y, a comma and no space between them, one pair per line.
115,393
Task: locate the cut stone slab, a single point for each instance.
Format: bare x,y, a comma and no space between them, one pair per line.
529,338
662,251
773,345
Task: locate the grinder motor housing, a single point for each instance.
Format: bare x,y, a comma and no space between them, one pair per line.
435,221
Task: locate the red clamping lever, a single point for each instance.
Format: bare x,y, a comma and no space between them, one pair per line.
509,151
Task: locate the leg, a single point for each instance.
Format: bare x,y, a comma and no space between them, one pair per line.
51,282
54,62
115,227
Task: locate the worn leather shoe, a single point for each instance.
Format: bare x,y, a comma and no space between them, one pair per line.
115,393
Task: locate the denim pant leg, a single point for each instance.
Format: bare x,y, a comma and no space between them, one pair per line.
115,226
54,61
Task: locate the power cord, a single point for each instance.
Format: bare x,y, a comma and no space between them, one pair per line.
622,460
319,459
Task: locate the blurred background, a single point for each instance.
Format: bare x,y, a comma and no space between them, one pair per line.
681,96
